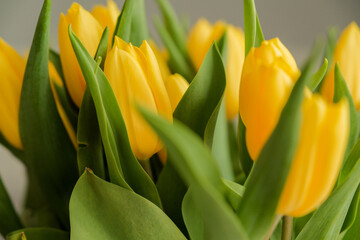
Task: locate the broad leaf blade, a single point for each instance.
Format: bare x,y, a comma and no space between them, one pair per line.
124,169
50,154
101,210
212,218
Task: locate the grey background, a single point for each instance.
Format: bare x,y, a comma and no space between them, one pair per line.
296,23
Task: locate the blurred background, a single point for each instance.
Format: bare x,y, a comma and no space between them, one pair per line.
296,23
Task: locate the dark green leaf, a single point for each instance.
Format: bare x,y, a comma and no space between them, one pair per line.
38,234
341,90
353,230
265,183
50,155
328,219
352,214
245,159
19,154
9,220
101,210
54,57
212,218
103,47
124,169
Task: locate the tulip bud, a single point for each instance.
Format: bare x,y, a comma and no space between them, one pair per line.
318,158
347,54
201,38
107,17
162,57
135,77
12,67
176,86
268,76
89,31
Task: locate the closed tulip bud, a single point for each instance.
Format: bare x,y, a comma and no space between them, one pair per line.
268,76
318,158
107,17
176,86
12,67
135,77
347,54
89,31
201,38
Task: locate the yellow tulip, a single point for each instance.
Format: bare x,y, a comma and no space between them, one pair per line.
176,86
89,31
200,39
347,54
318,158
162,58
269,74
135,77
107,17
12,67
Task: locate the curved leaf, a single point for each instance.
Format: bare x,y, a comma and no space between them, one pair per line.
50,155
124,168
318,76
101,210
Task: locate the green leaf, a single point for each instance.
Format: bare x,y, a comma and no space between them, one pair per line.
328,219
90,151
352,230
174,26
252,28
202,96
124,168
352,214
235,193
208,217
341,90
9,220
331,43
131,25
101,51
265,183
38,234
19,154
54,57
216,138
245,160
178,62
318,76
50,155
101,210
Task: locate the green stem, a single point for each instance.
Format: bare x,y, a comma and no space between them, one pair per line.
287,228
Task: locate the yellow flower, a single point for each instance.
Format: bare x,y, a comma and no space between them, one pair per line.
162,58
135,77
200,39
107,17
89,31
269,74
347,54
12,67
318,158
176,86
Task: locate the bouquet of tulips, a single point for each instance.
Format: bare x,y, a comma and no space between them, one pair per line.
217,136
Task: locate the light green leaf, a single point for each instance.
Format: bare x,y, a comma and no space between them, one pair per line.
353,230
341,90
101,210
131,25
50,155
265,183
101,51
124,168
328,219
235,193
252,28
9,220
318,76
207,217
38,234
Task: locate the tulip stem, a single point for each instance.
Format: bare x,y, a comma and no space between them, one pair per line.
287,227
